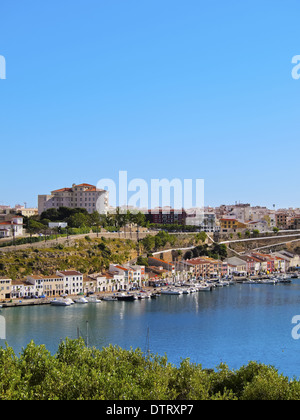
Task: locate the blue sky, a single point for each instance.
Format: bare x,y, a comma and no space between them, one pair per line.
162,89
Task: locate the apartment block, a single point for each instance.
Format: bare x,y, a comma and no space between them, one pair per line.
166,216
72,281
85,196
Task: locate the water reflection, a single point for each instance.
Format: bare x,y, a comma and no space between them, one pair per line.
233,324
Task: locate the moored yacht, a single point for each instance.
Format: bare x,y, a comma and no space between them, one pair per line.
171,292
62,302
81,299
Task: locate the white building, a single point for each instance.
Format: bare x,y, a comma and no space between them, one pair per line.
54,225
72,282
112,282
206,221
261,225
11,228
78,196
291,260
21,289
236,265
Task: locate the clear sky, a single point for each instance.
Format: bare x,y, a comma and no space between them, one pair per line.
160,88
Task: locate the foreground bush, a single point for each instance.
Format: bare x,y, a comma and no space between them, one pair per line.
77,372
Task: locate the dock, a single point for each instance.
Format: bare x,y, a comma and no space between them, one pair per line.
25,302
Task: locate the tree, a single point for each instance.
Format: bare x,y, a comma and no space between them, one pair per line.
78,220
139,219
148,243
35,227
201,236
95,219
142,261
188,255
51,214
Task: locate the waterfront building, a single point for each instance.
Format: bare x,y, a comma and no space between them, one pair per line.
112,282
5,288
49,286
207,267
267,262
253,265
84,196
237,266
22,288
132,275
291,260
156,262
156,275
72,281
90,284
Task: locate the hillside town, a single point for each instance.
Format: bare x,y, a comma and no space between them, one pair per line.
157,273
225,221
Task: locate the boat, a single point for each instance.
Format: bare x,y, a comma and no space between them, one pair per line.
62,302
171,292
249,281
93,299
82,299
110,299
126,297
205,287
186,292
283,278
270,281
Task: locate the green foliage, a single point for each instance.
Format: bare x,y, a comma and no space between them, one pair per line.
142,261
88,255
216,251
76,372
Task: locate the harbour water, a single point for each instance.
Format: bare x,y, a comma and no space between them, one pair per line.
233,325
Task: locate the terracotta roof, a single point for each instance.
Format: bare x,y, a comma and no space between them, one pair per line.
85,185
63,190
70,273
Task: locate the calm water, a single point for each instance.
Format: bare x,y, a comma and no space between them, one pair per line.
233,325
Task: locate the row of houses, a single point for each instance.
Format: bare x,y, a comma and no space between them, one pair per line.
251,264
71,282
254,263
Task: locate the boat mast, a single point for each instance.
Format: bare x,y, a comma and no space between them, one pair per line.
87,333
